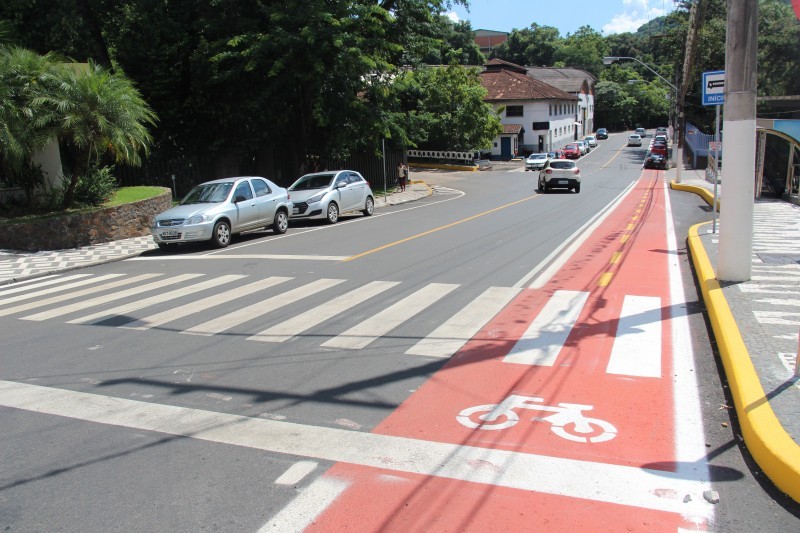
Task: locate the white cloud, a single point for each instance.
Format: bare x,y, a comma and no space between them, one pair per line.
634,14
453,16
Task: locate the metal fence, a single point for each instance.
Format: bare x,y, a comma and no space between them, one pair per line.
180,174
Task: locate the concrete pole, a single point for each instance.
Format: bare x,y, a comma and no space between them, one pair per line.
739,142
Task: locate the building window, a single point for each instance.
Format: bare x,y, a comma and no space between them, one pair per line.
514,111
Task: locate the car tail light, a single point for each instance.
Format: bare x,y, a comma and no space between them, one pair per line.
548,171
576,171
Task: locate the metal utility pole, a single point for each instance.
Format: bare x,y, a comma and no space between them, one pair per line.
739,142
688,63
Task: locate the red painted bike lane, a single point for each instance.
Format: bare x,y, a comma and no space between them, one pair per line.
578,371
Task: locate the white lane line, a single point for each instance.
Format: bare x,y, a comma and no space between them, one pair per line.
778,301
382,323
243,256
307,506
637,344
451,336
305,321
690,453
632,485
778,318
546,335
31,284
297,472
100,300
157,299
191,308
229,320
60,288
77,294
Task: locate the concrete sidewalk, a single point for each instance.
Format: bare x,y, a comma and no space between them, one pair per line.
755,324
18,266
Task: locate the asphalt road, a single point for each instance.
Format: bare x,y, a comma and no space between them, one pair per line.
290,350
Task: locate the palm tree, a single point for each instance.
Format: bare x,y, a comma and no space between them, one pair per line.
98,113
24,127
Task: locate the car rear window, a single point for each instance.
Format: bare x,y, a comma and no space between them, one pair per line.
562,165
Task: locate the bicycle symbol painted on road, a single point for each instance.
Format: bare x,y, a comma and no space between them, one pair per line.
568,421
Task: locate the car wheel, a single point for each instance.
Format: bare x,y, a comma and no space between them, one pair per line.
221,236
577,188
369,207
541,185
281,222
333,213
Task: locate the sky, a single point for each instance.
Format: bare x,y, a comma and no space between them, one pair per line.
605,16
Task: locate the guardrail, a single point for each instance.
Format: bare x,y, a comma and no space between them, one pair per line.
448,155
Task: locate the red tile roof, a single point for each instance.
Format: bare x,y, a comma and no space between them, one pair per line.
512,128
504,81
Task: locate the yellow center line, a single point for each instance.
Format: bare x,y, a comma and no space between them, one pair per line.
605,279
616,257
434,230
624,239
630,227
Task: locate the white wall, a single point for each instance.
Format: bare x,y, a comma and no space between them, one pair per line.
559,113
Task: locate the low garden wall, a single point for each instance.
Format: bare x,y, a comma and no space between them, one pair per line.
85,228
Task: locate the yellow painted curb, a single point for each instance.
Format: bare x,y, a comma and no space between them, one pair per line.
704,193
772,448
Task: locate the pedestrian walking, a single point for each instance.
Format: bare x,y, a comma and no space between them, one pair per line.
401,176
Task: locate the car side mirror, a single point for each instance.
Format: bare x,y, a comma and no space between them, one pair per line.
341,185
240,198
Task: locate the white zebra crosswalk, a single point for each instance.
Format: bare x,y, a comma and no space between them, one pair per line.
136,303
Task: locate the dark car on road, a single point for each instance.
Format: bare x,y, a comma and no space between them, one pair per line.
602,133
656,161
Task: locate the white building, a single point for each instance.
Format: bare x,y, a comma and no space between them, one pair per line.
536,116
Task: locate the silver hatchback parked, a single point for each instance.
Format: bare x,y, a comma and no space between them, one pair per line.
216,210
326,195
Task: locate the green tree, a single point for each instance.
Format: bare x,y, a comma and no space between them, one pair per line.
24,128
444,109
584,49
98,113
614,106
534,46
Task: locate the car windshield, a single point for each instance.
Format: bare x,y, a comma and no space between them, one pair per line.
562,165
208,193
537,156
570,147
312,181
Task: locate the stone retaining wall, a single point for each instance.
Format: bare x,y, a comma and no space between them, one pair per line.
84,229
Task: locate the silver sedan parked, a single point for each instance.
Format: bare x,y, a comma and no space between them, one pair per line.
326,195
216,210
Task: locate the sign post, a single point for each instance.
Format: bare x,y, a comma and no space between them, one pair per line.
714,94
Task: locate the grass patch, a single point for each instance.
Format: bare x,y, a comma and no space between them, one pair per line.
127,195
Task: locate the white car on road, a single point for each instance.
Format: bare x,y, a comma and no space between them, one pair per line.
326,195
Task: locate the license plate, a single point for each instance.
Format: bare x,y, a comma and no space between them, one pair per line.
170,233
295,211
563,182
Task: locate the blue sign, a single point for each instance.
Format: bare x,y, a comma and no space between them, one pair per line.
714,87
